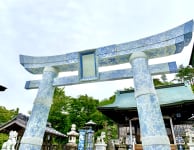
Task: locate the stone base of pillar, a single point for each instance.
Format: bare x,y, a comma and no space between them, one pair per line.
100,146
191,146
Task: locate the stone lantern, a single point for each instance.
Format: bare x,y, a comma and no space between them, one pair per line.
71,145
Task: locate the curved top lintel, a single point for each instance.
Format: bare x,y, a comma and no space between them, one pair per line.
163,44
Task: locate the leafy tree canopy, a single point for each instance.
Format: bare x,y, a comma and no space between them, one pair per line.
67,110
186,75
6,115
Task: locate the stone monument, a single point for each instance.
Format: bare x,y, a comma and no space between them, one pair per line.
71,145
11,142
87,62
100,144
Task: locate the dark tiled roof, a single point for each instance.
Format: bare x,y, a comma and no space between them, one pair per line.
21,121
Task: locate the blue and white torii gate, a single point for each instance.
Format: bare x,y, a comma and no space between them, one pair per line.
153,132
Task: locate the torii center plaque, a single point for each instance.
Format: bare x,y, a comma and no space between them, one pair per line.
87,63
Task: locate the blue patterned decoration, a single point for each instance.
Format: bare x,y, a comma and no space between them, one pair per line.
33,135
81,144
153,132
163,44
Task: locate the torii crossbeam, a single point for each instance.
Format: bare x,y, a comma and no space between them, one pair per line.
88,62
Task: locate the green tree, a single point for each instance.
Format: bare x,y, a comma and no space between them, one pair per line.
107,101
84,108
81,110
185,75
58,115
77,114
157,82
106,123
3,138
6,115
66,110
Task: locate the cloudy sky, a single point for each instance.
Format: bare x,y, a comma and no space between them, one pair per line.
45,28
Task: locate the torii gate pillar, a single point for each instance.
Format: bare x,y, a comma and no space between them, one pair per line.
33,135
153,132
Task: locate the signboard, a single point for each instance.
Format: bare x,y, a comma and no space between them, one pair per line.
88,67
